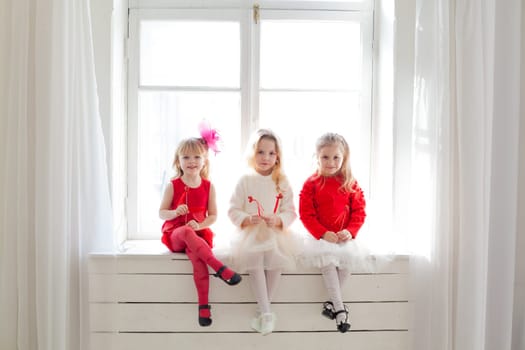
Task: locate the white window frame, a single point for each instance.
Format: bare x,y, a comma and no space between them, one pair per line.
243,12
135,17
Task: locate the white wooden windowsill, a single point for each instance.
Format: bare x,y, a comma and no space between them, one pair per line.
143,297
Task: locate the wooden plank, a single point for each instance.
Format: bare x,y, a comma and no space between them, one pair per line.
180,288
103,288
236,317
104,264
104,317
389,340
179,263
103,341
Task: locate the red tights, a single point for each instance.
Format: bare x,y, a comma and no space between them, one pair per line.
185,239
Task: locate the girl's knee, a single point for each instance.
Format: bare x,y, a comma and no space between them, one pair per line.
186,230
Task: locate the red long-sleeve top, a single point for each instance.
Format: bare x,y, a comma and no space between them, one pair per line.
324,206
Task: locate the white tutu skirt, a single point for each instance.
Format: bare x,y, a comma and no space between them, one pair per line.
279,248
352,255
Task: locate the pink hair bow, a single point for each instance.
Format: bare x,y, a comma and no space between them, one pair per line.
211,136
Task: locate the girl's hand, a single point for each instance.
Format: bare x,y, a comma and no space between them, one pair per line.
331,237
273,221
344,235
181,210
252,220
193,224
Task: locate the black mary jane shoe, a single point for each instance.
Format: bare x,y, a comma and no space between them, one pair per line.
204,321
328,310
235,279
343,326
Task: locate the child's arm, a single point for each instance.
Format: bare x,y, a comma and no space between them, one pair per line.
308,211
236,212
165,213
357,210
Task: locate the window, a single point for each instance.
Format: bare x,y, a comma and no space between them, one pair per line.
300,70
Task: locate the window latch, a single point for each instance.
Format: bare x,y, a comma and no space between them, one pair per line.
256,13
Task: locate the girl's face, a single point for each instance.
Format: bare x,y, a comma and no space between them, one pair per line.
330,159
265,157
191,163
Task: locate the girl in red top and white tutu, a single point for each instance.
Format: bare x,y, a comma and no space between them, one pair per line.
332,209
189,208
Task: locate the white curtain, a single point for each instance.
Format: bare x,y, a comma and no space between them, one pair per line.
54,196
467,150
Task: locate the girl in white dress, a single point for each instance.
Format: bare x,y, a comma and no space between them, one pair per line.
262,208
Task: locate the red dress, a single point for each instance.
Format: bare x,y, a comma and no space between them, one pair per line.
197,201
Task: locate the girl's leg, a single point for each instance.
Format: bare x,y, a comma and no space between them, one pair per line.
343,275
265,322
272,281
332,285
272,276
331,282
201,278
258,284
185,237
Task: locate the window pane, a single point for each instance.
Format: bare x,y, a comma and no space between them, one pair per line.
299,118
189,53
310,54
164,119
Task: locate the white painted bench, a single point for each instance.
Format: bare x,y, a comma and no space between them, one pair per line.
146,300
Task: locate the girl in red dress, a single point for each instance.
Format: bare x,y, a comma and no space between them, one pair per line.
189,208
332,209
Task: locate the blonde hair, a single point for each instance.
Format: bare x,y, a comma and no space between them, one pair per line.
345,173
277,171
195,146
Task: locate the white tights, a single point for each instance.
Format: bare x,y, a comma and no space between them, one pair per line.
263,282
334,279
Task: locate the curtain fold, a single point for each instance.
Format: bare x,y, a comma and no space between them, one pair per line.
465,269
432,197
503,226
54,199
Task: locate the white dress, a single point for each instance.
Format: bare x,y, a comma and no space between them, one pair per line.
279,245
351,255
